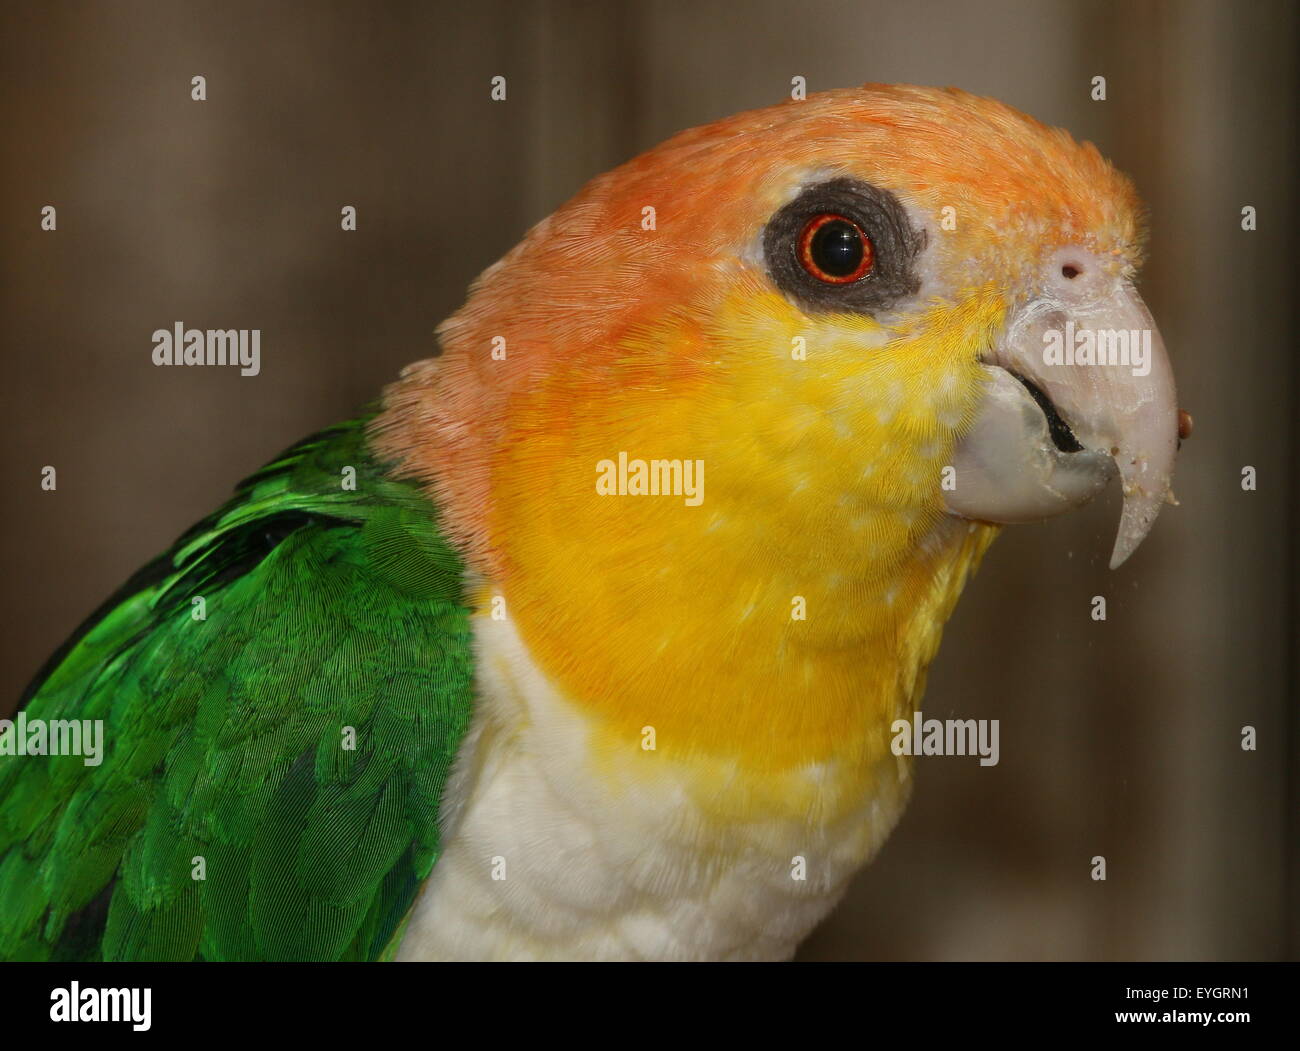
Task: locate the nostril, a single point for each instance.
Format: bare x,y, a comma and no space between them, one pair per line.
1070,271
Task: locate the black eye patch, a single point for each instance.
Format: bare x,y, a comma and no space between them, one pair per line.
876,213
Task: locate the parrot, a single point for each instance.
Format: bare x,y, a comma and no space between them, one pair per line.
584,640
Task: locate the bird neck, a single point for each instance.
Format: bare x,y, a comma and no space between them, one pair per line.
704,537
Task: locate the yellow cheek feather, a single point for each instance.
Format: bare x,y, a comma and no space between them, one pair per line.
787,618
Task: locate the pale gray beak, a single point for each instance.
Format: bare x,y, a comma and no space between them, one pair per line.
1079,389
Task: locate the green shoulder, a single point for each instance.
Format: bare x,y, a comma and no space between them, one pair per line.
280,697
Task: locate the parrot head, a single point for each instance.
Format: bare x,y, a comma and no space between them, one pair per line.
729,430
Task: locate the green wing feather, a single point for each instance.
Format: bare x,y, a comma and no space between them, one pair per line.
229,819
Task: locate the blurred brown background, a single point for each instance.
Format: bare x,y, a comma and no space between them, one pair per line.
1119,739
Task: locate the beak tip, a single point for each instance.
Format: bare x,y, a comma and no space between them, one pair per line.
1141,508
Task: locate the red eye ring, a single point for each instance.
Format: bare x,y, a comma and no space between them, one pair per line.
829,251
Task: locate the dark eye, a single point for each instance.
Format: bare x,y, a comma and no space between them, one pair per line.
843,246
834,249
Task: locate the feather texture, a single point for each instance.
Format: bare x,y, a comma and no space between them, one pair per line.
334,617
